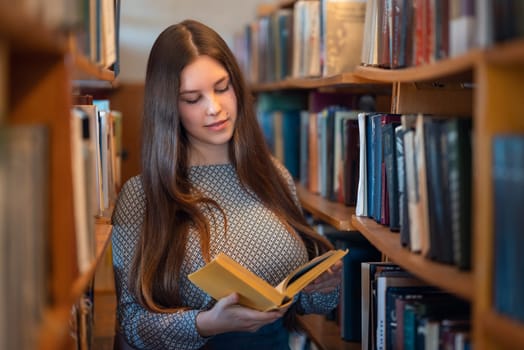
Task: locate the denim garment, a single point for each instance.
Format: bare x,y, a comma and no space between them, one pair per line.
272,336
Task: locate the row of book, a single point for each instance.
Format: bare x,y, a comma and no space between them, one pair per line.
96,159
96,143
326,37
418,181
317,142
400,311
314,38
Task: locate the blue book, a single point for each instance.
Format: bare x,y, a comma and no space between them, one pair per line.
508,201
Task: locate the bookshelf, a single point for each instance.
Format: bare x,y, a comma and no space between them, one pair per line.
483,83
36,87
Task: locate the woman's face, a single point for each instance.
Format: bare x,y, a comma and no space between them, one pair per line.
208,108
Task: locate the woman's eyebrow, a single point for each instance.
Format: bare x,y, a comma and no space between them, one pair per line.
182,92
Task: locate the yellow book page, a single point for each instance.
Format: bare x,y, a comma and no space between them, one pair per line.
305,274
223,276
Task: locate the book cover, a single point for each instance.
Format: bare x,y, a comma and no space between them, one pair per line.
223,276
390,160
459,164
344,31
401,185
440,240
361,208
351,292
304,148
351,162
339,151
508,201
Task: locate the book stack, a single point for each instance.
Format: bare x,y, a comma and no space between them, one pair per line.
400,311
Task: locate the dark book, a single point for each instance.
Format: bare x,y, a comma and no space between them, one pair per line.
390,161
351,294
440,240
401,186
508,201
321,100
377,123
370,161
304,148
430,306
459,165
405,293
291,141
351,161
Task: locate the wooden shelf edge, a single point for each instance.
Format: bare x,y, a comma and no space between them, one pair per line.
103,238
324,333
447,277
54,333
87,70
348,79
335,214
506,331
511,52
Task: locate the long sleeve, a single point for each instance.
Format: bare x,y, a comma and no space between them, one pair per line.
141,328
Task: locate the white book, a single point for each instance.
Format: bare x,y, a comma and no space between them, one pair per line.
362,191
107,35
81,154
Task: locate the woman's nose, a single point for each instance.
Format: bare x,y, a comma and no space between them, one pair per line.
213,107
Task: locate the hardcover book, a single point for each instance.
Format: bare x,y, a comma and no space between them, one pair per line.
223,276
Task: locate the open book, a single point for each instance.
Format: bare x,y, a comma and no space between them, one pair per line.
223,276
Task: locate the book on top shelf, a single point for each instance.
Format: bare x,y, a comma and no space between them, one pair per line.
342,30
223,276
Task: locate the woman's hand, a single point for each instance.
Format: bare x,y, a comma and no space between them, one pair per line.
327,281
227,316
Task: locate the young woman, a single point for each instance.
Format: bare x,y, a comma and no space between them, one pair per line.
208,185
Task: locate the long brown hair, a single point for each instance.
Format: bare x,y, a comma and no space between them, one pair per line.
172,206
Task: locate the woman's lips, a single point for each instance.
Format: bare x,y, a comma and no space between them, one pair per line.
218,125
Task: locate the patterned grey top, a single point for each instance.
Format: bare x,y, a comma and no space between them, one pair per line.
254,237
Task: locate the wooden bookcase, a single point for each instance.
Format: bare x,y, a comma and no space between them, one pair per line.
38,79
483,83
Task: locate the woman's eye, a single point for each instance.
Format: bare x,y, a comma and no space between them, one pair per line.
191,100
224,88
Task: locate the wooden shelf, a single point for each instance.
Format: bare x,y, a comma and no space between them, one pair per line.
87,70
54,333
286,3
503,330
26,34
339,80
336,214
325,334
460,67
447,277
103,237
